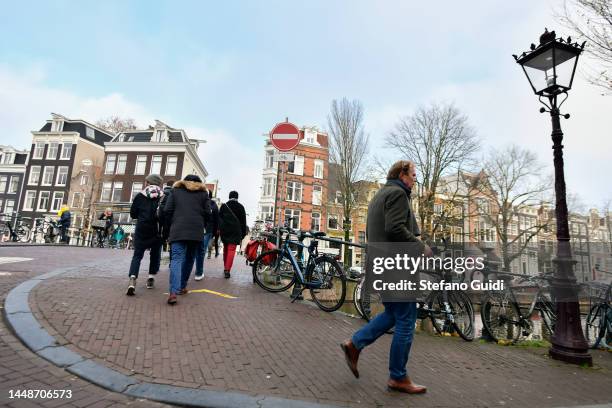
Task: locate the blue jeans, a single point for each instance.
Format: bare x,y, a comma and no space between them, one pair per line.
402,315
183,254
153,259
199,259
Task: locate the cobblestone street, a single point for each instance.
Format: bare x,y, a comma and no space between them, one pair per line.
257,343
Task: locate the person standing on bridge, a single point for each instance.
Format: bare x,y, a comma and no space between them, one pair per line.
232,220
391,219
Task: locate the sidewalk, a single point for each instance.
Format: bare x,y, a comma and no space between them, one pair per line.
260,344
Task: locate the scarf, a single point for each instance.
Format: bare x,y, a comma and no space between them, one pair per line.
152,191
398,182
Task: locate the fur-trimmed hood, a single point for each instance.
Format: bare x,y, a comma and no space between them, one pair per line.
190,185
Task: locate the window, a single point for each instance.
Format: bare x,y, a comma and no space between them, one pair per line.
111,159
332,222
8,158
141,164
338,197
294,191
89,132
62,176
160,136
2,217
52,150
47,179
269,159
39,149
84,179
58,199
76,199
107,188
171,165
438,208
34,175
43,201
482,205
14,186
30,200
315,222
295,218
310,136
57,125
10,206
317,192
269,186
3,181
318,169
156,162
136,188
66,151
117,190
297,166
361,237
121,163
267,213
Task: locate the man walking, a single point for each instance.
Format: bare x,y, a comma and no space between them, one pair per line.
391,219
147,234
188,209
212,224
232,219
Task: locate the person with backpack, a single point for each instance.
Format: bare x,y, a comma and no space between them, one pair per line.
233,226
188,209
212,225
147,234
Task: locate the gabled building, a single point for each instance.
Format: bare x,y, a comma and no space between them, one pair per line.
12,172
133,154
61,159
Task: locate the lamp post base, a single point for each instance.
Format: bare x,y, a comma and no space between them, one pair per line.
570,356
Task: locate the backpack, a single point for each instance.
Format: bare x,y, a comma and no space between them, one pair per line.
252,250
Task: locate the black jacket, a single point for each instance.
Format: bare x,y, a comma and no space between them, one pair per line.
390,216
144,211
188,209
65,219
164,222
213,222
232,221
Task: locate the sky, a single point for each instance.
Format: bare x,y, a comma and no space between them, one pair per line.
227,72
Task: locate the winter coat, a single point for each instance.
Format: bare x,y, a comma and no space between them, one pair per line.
232,222
144,211
390,215
65,219
164,221
188,209
212,226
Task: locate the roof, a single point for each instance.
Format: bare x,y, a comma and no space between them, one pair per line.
80,126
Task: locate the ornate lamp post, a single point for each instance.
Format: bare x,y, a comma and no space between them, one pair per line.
550,69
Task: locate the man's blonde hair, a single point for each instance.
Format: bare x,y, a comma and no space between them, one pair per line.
399,167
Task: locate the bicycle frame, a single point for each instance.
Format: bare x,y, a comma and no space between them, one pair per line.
288,253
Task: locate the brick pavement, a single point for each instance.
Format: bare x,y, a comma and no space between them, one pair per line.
261,343
20,369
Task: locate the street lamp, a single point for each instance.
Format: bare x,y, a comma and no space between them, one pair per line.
550,69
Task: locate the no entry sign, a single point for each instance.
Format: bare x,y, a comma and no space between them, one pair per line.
285,136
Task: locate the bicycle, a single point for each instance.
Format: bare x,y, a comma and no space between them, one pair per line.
18,232
504,318
279,269
598,324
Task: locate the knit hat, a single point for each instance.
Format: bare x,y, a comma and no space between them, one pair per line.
154,179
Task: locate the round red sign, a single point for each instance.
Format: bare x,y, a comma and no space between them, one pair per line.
285,136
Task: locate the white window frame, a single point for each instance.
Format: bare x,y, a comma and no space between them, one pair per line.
90,133
39,147
65,156
293,214
30,182
144,168
55,150
110,159
6,206
269,186
10,185
4,183
312,218
76,199
84,179
57,195
317,195
174,160
40,197
294,190
318,165
332,217
156,164
298,166
269,159
115,189
108,186
135,190
28,196
44,173
57,176
121,165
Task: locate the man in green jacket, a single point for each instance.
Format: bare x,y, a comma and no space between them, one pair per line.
391,219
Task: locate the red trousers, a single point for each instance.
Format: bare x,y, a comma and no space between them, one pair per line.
229,250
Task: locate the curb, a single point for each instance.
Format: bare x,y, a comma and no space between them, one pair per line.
27,329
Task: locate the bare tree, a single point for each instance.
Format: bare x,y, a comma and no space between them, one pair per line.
116,124
511,181
440,141
348,147
591,20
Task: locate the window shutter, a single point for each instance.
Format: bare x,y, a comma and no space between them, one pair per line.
299,165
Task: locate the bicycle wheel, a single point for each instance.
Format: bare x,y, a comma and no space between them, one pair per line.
23,233
594,326
549,318
357,291
327,283
454,316
500,317
273,272
372,306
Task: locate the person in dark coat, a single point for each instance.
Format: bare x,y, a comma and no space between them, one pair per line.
64,223
232,222
147,234
214,242
188,208
212,224
164,222
391,219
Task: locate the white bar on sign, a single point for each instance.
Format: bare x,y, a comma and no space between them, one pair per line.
285,136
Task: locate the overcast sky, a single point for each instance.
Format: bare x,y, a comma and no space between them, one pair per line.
228,71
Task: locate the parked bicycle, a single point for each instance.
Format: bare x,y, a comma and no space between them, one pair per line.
598,324
18,231
279,269
505,319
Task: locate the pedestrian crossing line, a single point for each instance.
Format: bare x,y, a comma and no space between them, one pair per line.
11,259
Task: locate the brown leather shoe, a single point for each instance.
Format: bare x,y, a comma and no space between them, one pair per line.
352,356
183,291
405,385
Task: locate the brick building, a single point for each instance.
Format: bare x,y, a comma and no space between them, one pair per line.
12,172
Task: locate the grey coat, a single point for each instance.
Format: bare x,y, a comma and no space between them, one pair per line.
390,216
